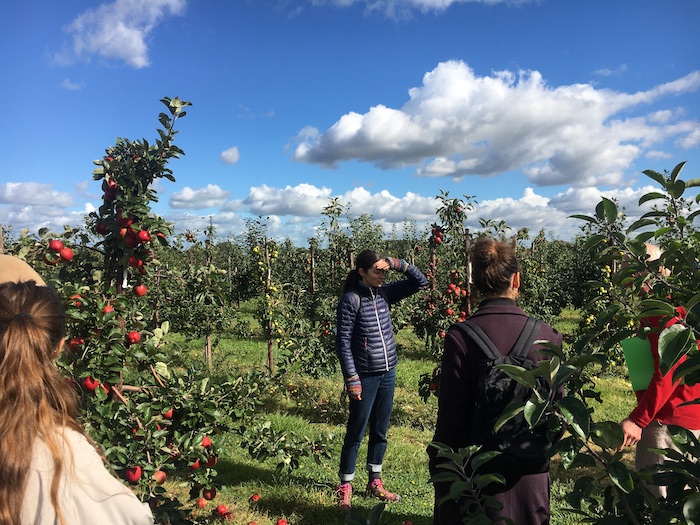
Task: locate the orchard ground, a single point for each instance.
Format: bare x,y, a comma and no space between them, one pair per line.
254,491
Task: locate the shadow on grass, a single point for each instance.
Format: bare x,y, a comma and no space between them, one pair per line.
302,510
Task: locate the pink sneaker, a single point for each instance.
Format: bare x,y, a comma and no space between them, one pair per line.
376,488
344,494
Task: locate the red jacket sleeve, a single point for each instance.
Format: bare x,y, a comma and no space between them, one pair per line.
652,401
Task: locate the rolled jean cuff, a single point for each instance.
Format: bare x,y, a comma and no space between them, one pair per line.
374,468
345,478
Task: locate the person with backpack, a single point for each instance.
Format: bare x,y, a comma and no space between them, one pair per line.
367,352
473,393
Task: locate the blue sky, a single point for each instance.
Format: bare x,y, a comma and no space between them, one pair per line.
535,108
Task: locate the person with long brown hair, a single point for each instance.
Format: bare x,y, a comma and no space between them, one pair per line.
368,356
524,497
50,473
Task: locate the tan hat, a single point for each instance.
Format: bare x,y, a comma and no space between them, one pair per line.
16,270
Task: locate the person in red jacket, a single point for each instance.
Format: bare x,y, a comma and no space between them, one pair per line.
661,404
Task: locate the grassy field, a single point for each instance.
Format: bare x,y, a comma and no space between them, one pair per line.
308,407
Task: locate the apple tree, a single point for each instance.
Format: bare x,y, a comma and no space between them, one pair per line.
154,418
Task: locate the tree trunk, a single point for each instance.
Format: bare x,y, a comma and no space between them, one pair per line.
207,351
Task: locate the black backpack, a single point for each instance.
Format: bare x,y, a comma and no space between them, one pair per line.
495,390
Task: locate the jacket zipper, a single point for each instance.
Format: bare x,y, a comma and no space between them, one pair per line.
379,325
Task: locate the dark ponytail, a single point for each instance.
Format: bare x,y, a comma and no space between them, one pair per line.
364,260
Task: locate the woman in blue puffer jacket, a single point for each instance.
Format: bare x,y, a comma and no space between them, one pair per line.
367,351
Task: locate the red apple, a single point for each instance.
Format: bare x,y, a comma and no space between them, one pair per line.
281,521
89,383
55,245
211,461
144,236
133,337
140,290
133,474
131,241
255,497
124,221
160,477
168,414
135,261
76,300
107,309
195,465
221,509
206,442
75,343
201,503
66,254
209,494
442,334
101,228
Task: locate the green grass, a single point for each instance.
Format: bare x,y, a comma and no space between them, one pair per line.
311,407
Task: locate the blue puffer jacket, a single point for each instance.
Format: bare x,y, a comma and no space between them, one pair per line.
364,339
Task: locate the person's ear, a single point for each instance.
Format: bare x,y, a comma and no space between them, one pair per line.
516,281
59,348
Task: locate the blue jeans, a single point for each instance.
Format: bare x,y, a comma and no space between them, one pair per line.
374,408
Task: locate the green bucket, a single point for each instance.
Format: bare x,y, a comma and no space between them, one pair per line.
640,363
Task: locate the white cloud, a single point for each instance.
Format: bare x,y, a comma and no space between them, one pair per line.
304,199
210,196
33,217
225,223
458,124
691,140
230,156
608,72
33,193
70,86
529,211
389,207
404,8
584,200
658,155
119,29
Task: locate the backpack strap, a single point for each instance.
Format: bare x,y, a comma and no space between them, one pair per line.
520,348
357,300
476,334
380,291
